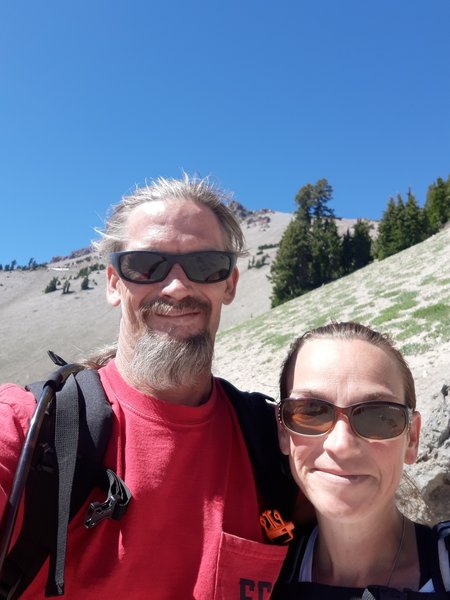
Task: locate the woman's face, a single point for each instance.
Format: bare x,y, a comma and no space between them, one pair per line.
343,475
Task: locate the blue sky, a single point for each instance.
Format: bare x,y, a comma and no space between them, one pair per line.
97,96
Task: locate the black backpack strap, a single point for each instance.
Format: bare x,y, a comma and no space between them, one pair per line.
67,425
69,452
443,532
256,414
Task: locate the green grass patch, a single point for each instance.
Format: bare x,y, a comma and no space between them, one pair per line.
362,318
318,322
427,280
414,348
443,329
280,340
390,294
408,329
434,312
404,302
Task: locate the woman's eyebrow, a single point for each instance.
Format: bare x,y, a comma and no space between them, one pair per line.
381,396
307,392
369,397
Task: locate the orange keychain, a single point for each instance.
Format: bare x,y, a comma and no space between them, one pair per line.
277,530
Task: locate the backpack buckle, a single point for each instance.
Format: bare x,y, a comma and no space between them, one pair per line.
115,505
98,511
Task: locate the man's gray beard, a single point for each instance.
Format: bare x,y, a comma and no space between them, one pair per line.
161,362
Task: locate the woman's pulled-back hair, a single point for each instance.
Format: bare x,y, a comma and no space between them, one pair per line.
349,331
201,191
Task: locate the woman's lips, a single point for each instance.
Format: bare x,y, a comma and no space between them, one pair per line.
340,476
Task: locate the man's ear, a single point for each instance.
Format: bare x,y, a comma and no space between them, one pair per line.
230,291
112,286
413,439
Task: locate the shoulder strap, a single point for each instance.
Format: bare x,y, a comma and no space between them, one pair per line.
443,531
256,414
67,463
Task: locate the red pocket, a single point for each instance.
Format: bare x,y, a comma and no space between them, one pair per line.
246,570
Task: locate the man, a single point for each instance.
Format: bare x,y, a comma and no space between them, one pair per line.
192,529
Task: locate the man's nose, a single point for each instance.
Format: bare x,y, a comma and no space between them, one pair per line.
176,284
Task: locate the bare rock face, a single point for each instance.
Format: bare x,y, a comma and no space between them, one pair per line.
239,210
432,469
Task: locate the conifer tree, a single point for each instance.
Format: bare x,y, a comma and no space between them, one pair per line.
290,273
313,200
326,252
387,241
347,253
414,229
361,244
437,205
310,249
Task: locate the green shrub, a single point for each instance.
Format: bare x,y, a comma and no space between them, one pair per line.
52,286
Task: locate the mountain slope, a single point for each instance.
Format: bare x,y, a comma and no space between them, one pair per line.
407,295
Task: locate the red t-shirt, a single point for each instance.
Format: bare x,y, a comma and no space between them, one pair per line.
192,528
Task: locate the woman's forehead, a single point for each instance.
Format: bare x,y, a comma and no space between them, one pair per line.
340,363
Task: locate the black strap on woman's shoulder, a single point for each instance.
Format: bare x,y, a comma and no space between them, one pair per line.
318,591
427,544
289,588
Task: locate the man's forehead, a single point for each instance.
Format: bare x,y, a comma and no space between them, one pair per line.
180,218
169,207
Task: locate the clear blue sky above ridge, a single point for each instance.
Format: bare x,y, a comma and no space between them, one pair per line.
264,97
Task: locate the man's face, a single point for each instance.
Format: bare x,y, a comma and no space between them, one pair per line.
175,306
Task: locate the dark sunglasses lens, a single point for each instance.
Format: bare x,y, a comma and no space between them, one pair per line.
207,267
308,416
379,421
143,267
152,267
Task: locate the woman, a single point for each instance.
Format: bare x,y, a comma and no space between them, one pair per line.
348,423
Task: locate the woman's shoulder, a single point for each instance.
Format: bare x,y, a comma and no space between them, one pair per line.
433,545
317,591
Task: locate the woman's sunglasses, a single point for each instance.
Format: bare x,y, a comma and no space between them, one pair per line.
142,266
371,420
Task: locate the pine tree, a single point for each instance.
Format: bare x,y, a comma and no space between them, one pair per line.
388,232
437,205
347,253
313,200
361,244
400,237
326,252
414,225
290,272
310,249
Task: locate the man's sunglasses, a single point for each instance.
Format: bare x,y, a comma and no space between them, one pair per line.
371,420
142,266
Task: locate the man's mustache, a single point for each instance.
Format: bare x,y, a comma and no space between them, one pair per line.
161,306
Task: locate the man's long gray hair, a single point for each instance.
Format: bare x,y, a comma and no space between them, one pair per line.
201,191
